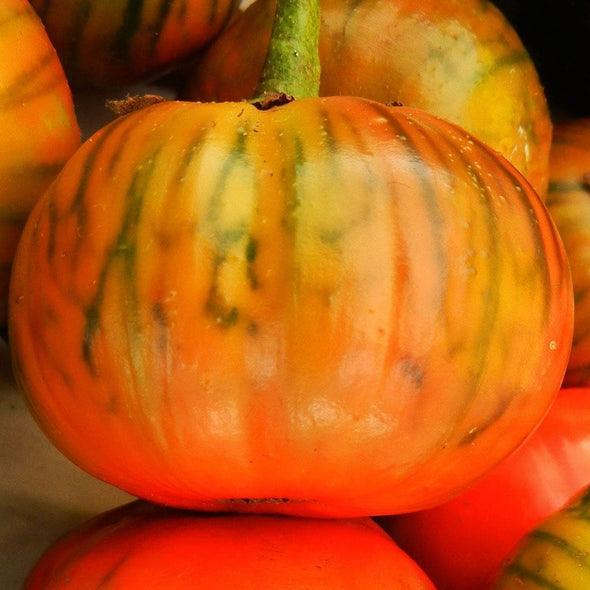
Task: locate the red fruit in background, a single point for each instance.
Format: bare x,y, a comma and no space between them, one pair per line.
143,547
461,544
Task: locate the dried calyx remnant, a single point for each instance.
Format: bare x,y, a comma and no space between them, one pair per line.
130,104
272,99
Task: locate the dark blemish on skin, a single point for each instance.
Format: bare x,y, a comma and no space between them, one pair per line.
225,315
251,254
413,371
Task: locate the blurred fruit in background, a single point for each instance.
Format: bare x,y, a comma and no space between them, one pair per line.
38,122
117,42
568,201
140,545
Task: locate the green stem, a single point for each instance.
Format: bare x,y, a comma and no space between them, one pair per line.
292,64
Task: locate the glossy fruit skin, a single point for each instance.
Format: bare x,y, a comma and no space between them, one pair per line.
461,543
568,201
331,307
105,43
38,122
555,553
459,59
143,546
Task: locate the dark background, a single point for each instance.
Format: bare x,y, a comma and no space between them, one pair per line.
557,36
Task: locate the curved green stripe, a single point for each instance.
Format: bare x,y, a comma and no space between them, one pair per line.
35,171
79,209
129,27
412,367
452,152
521,572
580,336
25,87
78,206
580,295
563,138
337,170
580,556
22,12
124,250
70,52
424,175
563,186
580,508
492,286
508,61
157,27
289,177
38,238
236,154
544,241
224,313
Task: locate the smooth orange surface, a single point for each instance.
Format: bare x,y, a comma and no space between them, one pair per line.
330,307
140,546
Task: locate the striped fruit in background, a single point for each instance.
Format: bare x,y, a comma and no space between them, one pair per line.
555,554
459,59
38,122
105,43
140,545
568,201
329,307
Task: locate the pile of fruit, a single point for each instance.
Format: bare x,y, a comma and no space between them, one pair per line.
324,313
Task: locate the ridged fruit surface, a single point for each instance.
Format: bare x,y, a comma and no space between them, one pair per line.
328,307
104,43
555,554
38,122
142,546
459,59
568,201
